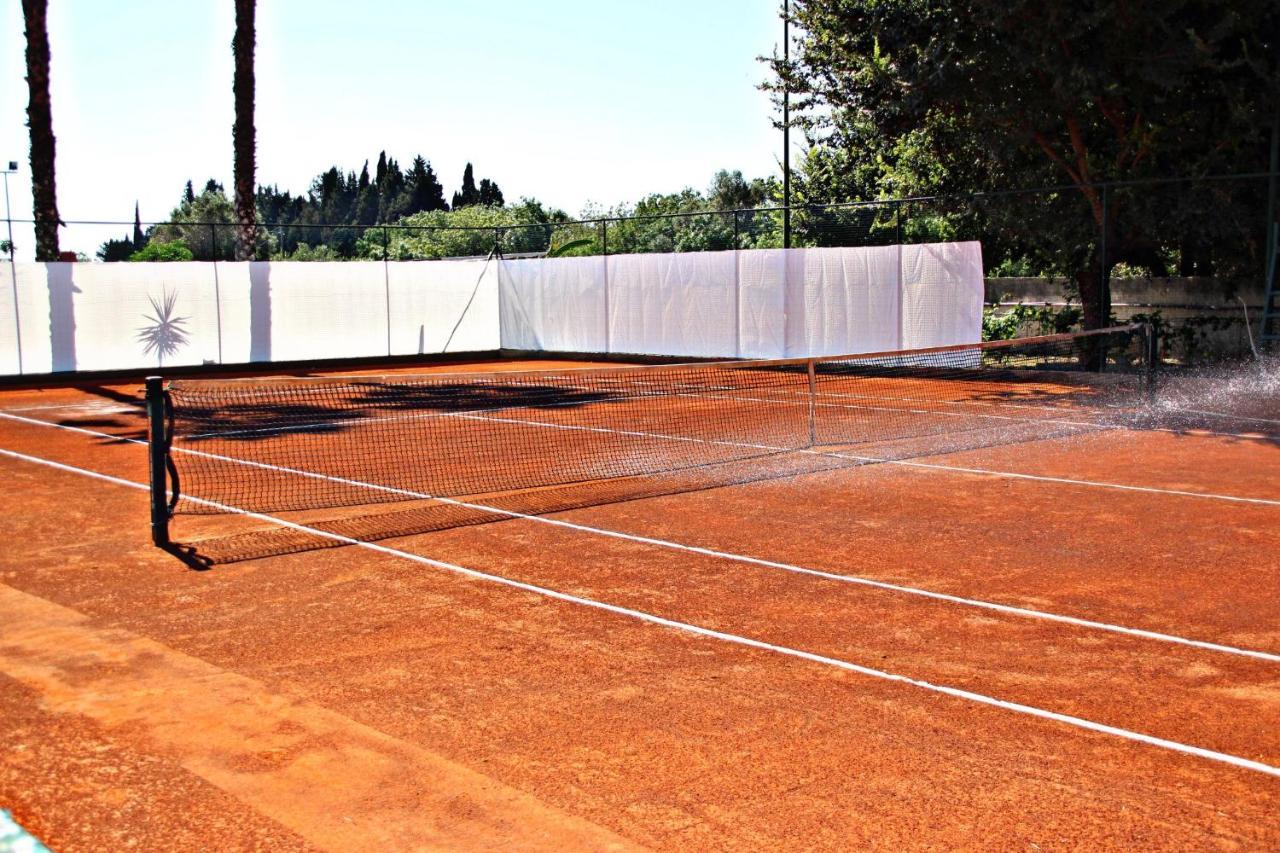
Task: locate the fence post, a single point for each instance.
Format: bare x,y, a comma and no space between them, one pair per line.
604,257
17,315
1151,343
386,283
897,222
217,287
737,292
1104,284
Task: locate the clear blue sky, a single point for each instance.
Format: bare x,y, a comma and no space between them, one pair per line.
568,101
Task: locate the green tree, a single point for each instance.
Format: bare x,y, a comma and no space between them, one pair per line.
116,250
423,189
962,95
468,195
139,238
44,190
489,194
207,226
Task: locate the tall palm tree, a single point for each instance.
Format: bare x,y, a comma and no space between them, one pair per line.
40,121
242,132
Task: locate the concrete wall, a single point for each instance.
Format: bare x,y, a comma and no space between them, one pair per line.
1205,319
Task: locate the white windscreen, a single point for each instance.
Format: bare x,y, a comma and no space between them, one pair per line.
760,303
673,304
554,304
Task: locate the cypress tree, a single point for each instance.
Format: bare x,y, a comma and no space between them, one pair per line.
423,189
468,195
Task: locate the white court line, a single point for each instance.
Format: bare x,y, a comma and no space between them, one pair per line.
710,633
1044,478
1227,416
1084,410
96,408
724,555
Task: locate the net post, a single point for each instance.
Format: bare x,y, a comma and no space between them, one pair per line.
813,402
1151,355
157,448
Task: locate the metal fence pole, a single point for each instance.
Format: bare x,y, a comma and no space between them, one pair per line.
737,292
604,257
386,282
217,287
1104,284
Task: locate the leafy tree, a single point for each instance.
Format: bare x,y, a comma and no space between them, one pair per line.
207,226
44,189
489,194
466,232
158,250
188,193
423,189
730,191
962,95
242,132
116,250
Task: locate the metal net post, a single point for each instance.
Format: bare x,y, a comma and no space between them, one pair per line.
158,451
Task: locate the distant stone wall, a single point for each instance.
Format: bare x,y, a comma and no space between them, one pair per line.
1204,320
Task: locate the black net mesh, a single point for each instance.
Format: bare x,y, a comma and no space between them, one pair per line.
446,450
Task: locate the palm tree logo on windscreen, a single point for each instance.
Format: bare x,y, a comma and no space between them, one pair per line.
165,332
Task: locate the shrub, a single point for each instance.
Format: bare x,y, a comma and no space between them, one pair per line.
160,251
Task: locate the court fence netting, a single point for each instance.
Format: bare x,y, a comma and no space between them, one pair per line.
256,466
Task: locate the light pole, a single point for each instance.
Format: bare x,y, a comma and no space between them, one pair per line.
13,268
786,127
13,168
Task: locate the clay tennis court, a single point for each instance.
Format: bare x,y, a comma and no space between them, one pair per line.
1064,638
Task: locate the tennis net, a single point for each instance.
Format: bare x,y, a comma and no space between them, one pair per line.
373,457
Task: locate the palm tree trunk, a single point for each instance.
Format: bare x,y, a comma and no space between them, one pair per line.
40,121
242,132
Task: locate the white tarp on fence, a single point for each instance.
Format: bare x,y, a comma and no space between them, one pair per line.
753,303
763,303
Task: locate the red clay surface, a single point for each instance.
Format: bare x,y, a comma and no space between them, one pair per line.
344,698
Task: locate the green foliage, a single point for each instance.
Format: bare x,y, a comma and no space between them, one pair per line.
1001,324
573,248
205,225
116,250
902,97
160,250
469,231
305,252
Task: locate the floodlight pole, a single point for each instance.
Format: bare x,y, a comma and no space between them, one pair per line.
786,127
13,267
